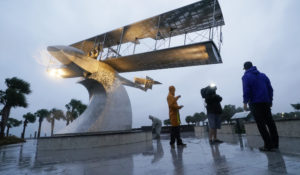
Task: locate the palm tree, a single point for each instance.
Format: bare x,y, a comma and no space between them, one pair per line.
56,114
167,122
74,109
41,114
295,114
202,116
193,120
188,119
228,112
29,118
11,122
13,96
296,106
239,109
197,117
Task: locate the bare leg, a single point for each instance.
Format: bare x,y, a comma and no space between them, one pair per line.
215,134
212,134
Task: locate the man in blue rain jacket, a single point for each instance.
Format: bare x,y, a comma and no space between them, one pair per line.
258,94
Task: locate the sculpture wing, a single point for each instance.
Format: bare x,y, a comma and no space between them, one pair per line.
190,18
194,54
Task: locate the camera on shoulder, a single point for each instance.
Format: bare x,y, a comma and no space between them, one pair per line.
208,91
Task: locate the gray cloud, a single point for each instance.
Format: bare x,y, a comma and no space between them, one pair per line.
260,31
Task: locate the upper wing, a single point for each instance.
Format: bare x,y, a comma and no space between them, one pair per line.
194,17
194,54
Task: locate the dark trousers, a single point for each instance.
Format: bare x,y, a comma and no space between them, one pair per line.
265,124
175,135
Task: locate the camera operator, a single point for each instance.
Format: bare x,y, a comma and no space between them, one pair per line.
214,111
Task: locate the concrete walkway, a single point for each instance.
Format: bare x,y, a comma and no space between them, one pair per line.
235,156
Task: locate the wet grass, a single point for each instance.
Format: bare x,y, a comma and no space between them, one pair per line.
10,140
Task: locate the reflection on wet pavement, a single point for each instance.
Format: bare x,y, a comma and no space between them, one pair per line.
177,160
238,155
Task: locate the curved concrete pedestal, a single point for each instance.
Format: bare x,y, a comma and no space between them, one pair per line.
109,108
93,140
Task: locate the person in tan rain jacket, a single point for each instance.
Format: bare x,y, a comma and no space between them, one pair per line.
174,117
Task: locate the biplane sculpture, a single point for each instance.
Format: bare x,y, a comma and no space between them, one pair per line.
100,59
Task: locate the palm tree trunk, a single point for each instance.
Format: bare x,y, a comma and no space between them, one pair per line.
72,116
7,131
52,126
39,131
23,133
5,115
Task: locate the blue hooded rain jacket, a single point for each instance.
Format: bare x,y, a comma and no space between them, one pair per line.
256,87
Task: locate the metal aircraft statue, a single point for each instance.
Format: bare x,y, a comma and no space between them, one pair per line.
100,59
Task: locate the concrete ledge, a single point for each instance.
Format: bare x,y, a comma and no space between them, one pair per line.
286,128
183,128
226,129
121,152
92,140
251,129
200,131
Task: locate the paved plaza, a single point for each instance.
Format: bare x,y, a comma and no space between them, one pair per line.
235,156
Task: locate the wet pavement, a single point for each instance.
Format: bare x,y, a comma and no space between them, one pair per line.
235,156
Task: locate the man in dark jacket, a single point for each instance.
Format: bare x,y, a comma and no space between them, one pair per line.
214,111
258,93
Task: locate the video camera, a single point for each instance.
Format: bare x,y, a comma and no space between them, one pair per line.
208,91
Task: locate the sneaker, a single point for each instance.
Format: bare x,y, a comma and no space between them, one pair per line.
182,144
172,146
265,149
218,141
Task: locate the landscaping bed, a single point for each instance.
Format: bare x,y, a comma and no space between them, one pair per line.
10,140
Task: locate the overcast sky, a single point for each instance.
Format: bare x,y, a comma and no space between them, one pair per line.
264,32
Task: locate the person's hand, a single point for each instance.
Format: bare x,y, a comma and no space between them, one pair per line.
245,107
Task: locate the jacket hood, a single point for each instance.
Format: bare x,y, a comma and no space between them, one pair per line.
252,70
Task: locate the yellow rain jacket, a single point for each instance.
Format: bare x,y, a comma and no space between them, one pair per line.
173,110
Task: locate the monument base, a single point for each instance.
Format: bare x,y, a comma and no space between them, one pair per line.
92,139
